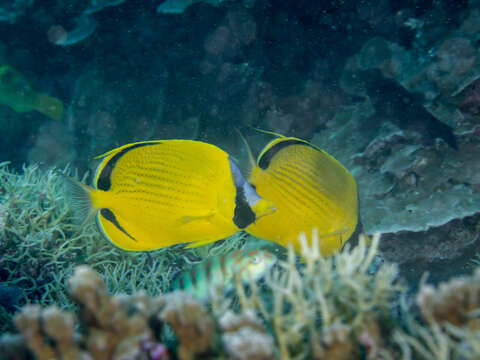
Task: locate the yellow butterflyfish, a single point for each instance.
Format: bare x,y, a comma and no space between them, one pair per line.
310,190
153,194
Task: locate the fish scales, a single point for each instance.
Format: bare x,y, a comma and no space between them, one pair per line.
295,195
286,197
139,184
321,205
317,170
298,187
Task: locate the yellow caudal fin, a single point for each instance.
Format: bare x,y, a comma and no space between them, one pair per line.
79,196
49,106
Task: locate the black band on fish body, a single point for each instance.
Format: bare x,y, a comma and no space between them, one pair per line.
110,216
243,214
104,179
267,157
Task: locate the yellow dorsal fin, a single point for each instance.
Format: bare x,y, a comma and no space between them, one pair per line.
116,150
251,159
267,132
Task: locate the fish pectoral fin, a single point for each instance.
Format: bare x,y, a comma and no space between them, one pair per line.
199,243
189,218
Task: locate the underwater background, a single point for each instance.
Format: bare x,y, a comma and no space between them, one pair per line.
391,89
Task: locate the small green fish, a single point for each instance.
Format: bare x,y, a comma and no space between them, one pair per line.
18,93
221,270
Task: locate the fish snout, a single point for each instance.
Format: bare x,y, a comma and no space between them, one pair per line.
263,208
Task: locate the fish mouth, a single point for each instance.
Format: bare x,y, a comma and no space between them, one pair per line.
264,208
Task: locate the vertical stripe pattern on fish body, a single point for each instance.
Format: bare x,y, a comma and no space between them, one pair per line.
310,190
220,271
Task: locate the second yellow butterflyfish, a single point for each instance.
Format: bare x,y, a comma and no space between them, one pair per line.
310,190
153,194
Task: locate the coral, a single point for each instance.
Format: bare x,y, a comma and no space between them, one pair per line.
451,328
191,323
3,217
343,307
244,336
456,302
35,324
115,327
41,243
334,302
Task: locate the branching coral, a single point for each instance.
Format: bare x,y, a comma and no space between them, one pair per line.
116,327
335,308
331,303
451,316
244,336
41,243
191,322
456,302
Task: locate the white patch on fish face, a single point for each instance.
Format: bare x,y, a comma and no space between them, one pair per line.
251,195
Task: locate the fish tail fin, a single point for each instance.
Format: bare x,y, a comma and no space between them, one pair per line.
251,159
49,106
80,196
